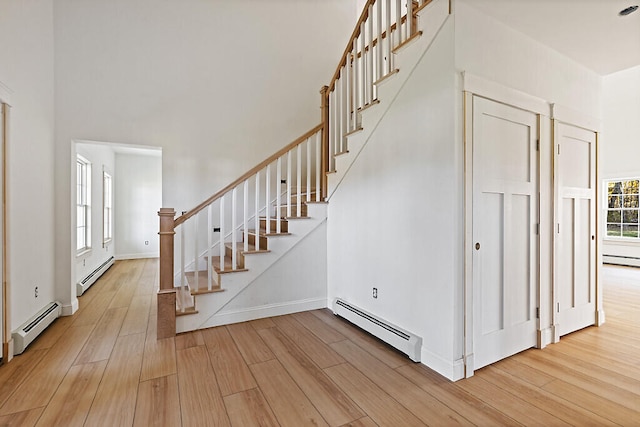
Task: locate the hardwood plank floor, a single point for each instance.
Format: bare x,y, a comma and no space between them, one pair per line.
104,366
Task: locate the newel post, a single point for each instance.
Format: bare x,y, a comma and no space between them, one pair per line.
324,108
167,292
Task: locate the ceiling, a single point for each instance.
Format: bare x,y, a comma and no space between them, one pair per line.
589,31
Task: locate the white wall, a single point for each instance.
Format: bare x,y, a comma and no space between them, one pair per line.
26,68
620,148
137,199
394,222
492,50
219,85
101,157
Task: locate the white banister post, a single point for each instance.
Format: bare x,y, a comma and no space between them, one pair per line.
278,194
234,225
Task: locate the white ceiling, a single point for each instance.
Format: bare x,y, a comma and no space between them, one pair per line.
589,31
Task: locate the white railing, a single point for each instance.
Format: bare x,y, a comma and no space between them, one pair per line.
368,59
213,238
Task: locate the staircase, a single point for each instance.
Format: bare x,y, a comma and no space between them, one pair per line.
227,242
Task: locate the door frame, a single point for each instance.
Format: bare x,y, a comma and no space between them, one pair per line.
560,114
5,332
476,86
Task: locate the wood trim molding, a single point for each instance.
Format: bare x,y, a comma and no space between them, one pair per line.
504,94
7,340
468,233
576,118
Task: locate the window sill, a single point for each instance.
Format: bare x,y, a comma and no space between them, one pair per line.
83,252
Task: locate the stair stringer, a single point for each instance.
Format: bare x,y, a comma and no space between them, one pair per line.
431,19
208,305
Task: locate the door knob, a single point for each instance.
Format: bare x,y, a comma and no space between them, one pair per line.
477,246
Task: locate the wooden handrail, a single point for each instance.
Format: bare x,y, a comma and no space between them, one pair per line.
356,32
247,175
374,42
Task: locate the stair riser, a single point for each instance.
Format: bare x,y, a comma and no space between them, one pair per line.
240,258
284,226
294,211
263,241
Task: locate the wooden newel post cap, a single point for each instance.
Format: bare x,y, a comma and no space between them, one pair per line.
167,212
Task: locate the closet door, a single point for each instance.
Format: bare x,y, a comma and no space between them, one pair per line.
575,233
505,244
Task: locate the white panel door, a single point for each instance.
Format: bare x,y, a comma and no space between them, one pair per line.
575,290
505,252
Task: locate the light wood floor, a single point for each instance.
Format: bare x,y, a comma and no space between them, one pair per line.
104,366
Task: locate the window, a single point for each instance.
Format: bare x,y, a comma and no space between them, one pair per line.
107,225
622,208
83,203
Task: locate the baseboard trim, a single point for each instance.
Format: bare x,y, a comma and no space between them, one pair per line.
69,309
271,310
451,369
545,337
137,256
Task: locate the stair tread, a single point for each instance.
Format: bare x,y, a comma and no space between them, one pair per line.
201,287
265,234
228,266
188,310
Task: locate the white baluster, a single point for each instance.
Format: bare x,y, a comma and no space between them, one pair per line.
379,49
195,251
256,219
332,127
409,18
267,201
234,247
222,233
348,83
355,103
289,184
209,247
398,22
370,56
318,165
245,220
298,181
343,109
389,43
363,80
308,142
183,281
278,194
333,111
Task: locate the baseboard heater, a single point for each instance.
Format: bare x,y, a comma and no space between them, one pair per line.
29,331
621,260
84,284
406,342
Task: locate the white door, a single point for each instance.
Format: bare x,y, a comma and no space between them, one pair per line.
575,297
505,252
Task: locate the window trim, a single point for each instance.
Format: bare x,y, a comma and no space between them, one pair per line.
107,206
618,239
83,194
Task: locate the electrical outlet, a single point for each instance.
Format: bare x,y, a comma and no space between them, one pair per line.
375,292
35,292
146,242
